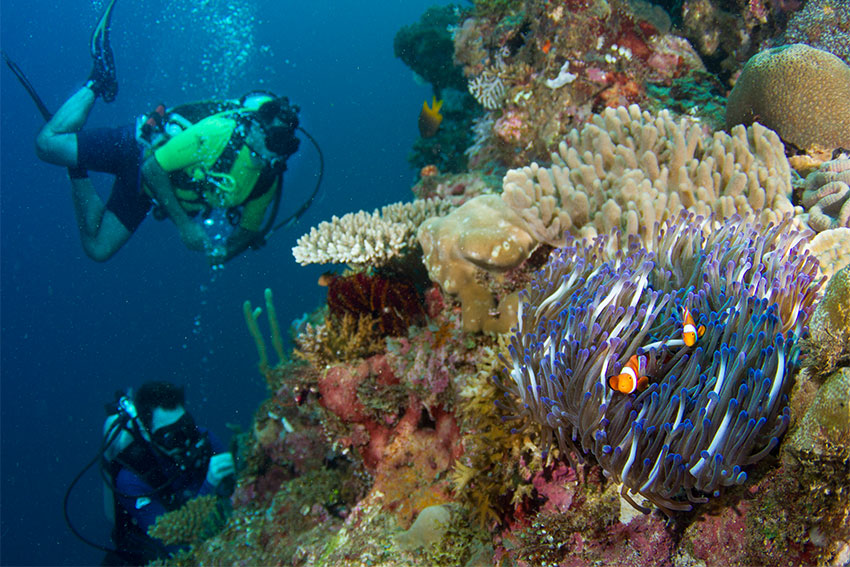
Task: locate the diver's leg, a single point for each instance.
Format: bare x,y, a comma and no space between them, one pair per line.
56,143
101,233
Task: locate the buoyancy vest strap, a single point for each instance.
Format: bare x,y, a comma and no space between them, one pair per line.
140,460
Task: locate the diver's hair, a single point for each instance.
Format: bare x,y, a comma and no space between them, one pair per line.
157,395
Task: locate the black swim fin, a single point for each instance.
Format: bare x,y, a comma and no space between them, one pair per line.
103,81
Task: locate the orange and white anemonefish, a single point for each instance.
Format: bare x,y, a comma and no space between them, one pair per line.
632,376
690,331
430,117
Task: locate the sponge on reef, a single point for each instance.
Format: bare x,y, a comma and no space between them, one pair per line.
801,92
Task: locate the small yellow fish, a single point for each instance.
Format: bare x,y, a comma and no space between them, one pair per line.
632,376
430,118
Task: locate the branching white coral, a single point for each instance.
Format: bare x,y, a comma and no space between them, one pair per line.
363,238
488,88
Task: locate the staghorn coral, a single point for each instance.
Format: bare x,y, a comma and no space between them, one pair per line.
197,520
801,92
366,239
482,235
629,169
709,410
826,195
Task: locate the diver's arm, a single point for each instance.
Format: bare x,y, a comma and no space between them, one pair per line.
157,179
101,233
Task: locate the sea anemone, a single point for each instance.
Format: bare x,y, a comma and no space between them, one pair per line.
710,409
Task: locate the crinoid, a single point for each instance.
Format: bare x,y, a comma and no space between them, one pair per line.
394,303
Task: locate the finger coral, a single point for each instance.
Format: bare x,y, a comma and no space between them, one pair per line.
366,239
710,409
801,92
826,195
629,169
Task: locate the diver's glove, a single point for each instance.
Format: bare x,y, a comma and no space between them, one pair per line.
102,80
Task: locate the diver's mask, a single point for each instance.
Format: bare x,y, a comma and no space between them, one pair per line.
183,442
279,120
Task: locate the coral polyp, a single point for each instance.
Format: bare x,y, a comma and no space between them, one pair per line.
711,409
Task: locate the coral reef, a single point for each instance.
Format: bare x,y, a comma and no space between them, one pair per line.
339,339
832,249
481,235
824,24
386,440
798,91
365,239
197,520
710,410
628,169
826,195
540,68
829,333
428,49
393,302
826,426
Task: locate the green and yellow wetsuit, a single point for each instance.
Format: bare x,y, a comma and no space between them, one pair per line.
210,166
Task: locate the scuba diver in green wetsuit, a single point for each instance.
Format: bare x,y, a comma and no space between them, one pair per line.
186,162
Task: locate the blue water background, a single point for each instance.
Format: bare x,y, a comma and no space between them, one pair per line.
74,331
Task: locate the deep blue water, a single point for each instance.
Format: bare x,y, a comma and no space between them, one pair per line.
74,331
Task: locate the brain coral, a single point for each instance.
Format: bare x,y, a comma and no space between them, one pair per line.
629,169
710,409
826,195
801,92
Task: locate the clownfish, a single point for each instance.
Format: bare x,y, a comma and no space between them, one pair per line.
690,332
632,376
430,117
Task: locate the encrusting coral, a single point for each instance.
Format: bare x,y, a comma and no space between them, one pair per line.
367,239
710,409
628,169
800,92
483,234
197,520
826,195
832,249
829,330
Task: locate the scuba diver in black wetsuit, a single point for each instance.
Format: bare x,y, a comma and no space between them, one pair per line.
184,162
153,460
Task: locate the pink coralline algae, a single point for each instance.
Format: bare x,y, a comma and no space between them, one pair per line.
510,126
